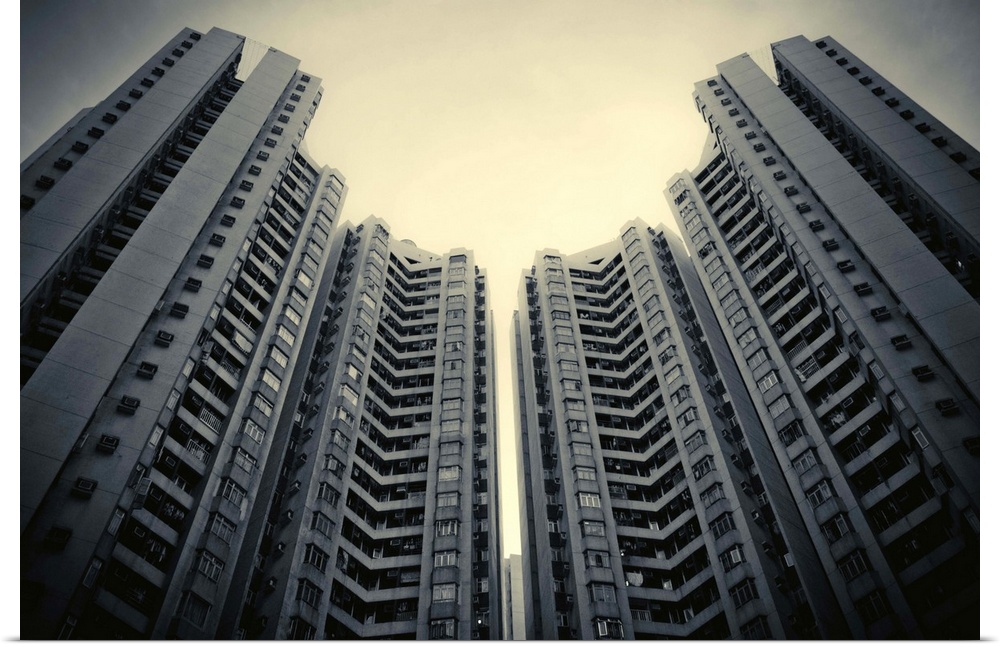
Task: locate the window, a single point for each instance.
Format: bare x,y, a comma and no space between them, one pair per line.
712,495
768,381
598,558
695,441
263,405
758,358
444,592
270,379
450,448
703,467
445,558
316,557
328,493
588,500
331,463
210,566
738,317
722,525
602,592
805,461
309,593
442,629
447,499
674,374
680,395
608,628
688,417
756,629
323,524
482,585
279,357
194,609
732,557
299,629
449,473
233,492
873,606
349,394
286,335
446,528
581,449
593,529
747,338
779,406
243,460
853,565
743,592
819,493
585,473
836,528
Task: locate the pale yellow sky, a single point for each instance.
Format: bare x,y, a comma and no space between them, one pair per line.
503,127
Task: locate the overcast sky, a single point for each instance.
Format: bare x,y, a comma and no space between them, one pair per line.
503,127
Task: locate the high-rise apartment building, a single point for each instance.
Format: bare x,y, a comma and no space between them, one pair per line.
650,507
835,228
782,441
208,448
382,517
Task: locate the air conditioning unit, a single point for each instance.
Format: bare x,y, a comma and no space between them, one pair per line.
295,487
279,548
272,583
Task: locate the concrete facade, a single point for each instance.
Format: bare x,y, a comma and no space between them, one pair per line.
858,328
650,507
382,519
513,599
239,420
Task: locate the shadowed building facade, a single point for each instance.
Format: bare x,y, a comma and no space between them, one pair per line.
201,457
834,225
383,518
